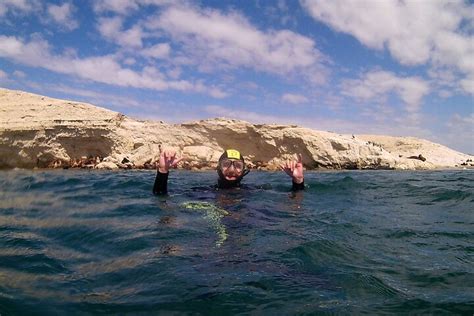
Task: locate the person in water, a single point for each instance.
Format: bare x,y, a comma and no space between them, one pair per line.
230,168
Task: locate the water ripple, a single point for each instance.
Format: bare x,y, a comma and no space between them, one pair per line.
375,242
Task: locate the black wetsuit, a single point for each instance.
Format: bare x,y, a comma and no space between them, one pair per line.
161,184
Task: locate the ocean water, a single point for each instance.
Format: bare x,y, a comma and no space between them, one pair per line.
76,242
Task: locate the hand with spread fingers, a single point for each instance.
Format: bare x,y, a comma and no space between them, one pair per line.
168,160
294,169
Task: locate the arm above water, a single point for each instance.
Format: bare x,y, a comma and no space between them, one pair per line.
167,160
294,169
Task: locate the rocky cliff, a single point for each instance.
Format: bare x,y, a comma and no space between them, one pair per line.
37,131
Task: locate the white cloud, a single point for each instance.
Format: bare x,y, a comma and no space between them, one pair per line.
4,78
19,74
161,50
466,121
461,132
174,73
63,15
294,98
333,101
104,69
415,32
116,6
129,61
98,98
378,84
131,37
468,84
217,93
111,29
216,40
17,6
125,7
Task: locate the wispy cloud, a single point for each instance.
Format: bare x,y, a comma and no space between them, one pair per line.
3,74
17,6
414,32
19,74
111,29
63,15
461,132
158,51
213,39
468,84
116,6
294,98
97,98
104,69
376,85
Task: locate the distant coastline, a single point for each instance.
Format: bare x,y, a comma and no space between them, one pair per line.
41,132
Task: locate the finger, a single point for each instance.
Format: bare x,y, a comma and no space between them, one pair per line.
176,161
300,158
285,169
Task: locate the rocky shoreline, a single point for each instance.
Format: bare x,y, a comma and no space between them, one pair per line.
112,164
42,132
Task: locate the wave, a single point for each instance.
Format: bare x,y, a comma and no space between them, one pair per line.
453,195
408,233
352,243
425,307
345,184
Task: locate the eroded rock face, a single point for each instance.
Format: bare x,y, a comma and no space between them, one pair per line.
37,131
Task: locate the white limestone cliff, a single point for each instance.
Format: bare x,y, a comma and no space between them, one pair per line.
37,131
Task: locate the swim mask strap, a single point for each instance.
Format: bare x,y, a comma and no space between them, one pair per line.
231,154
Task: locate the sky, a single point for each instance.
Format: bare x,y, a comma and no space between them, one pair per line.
392,67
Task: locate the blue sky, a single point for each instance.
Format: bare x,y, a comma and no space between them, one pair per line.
401,68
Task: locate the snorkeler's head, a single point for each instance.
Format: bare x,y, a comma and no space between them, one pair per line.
231,166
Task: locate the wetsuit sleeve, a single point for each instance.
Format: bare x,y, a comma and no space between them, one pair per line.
297,186
161,183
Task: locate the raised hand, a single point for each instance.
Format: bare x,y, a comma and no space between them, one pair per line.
168,160
294,168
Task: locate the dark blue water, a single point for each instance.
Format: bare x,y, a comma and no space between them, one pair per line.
375,242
